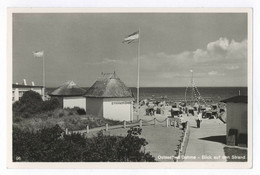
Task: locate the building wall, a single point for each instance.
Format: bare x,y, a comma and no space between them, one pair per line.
237,117
94,106
118,109
71,102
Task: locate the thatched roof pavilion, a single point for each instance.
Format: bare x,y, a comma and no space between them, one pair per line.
70,95
109,86
68,88
110,98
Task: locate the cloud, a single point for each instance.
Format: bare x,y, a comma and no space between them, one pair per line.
220,44
232,67
213,73
217,53
221,58
106,61
220,55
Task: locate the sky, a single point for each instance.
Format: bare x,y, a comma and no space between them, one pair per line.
81,46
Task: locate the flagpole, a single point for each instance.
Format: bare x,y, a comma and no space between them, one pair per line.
43,77
138,73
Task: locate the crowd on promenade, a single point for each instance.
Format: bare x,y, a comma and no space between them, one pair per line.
182,110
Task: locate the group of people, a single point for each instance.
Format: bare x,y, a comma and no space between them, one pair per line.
153,108
198,119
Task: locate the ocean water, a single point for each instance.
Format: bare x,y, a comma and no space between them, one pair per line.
177,93
216,94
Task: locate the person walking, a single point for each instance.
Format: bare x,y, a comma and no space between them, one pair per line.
183,122
199,118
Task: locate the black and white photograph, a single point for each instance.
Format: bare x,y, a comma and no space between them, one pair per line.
162,86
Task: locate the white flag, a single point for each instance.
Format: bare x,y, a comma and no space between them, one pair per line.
38,54
131,38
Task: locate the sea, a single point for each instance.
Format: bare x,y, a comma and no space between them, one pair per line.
215,94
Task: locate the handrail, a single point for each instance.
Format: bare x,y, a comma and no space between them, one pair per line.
147,121
160,121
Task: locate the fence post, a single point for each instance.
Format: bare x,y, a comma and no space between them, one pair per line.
179,154
141,123
66,131
154,121
106,126
124,124
167,122
87,129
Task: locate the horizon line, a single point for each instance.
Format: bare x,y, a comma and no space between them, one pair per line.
175,87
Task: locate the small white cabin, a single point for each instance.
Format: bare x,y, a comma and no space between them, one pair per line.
237,119
70,95
110,98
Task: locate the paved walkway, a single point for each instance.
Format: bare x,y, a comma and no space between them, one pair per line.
206,143
162,141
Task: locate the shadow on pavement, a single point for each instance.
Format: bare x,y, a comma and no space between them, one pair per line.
220,139
193,126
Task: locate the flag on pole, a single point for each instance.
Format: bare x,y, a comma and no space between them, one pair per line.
38,54
131,38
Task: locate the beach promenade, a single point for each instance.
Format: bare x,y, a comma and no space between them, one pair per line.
207,142
162,141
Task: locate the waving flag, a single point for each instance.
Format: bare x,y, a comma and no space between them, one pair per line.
132,37
38,54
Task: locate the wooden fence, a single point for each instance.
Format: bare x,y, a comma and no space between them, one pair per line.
172,122
175,122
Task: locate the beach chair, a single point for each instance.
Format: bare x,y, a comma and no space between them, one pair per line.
208,114
191,111
175,112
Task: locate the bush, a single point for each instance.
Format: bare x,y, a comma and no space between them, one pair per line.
77,110
17,119
26,115
50,105
51,145
31,103
81,111
31,97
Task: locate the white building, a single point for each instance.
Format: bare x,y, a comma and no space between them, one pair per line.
237,120
110,98
19,89
70,95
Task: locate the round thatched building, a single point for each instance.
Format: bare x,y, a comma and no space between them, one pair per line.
110,98
70,95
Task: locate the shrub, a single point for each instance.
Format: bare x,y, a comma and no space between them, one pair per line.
61,114
31,103
81,111
17,119
50,105
26,115
77,110
31,97
51,145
